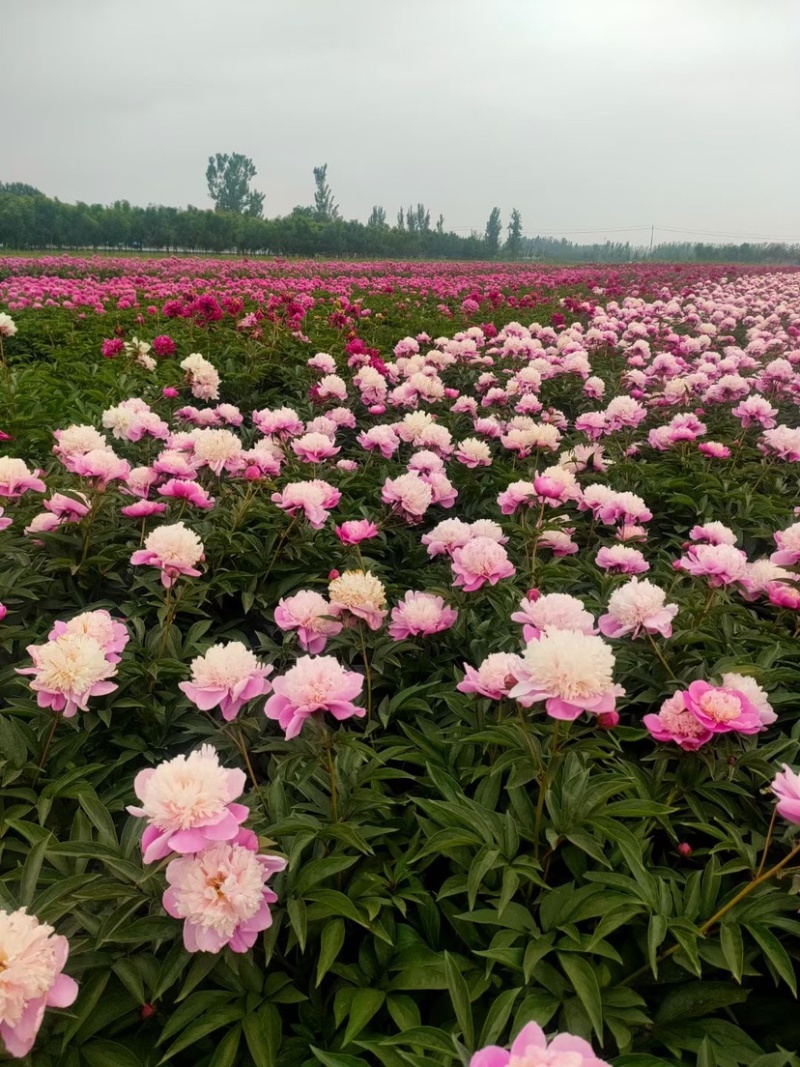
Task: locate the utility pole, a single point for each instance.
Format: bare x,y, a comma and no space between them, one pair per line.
652,232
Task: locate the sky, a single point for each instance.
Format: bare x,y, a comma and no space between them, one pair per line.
597,119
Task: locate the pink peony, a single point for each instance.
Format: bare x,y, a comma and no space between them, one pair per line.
420,615
713,533
143,509
619,559
788,542
354,531
314,498
570,671
16,479
102,465
518,494
531,1049
786,787
314,447
67,508
31,979
226,676
743,683
720,564
222,895
494,678
111,634
309,613
479,561
715,449
674,722
358,594
314,684
409,495
559,542
67,671
447,536
188,804
635,607
190,491
175,549
783,596
554,611
722,710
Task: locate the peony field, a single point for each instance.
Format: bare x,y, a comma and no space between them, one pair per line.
398,664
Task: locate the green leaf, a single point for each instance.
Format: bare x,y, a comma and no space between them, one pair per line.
730,936
262,1031
331,943
338,1059
498,1016
459,996
775,953
583,979
227,1049
206,1024
365,1004
31,869
109,1054
656,932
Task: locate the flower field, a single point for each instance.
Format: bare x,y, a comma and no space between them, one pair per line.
399,664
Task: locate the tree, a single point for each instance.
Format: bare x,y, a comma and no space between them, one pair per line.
377,219
440,224
422,219
401,220
494,227
326,208
229,178
514,234
19,189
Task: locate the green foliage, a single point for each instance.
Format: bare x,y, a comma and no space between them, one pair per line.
229,178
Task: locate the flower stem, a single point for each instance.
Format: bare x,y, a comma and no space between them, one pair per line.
660,655
332,776
48,742
367,671
767,841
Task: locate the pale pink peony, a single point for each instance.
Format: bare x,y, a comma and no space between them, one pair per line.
570,671
555,485
553,611
714,533
313,684
559,542
722,710
315,499
518,494
202,376
788,542
283,422
226,676
43,522
674,722
188,804
67,508
139,482
309,613
786,787
409,495
111,634
76,441
358,594
175,549
760,577
102,465
33,958
479,561
531,1049
16,479
447,536
5,522
620,559
494,678
219,450
719,564
743,683
354,531
420,615
381,438
175,464
68,671
636,607
314,447
473,453
222,895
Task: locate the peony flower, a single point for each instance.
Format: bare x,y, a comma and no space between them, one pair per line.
202,377
674,722
420,615
67,671
494,678
722,710
31,979
221,894
188,804
783,596
479,561
283,422
359,594
635,607
559,542
786,787
175,549
354,531
555,485
473,453
226,676
314,447
16,479
715,449
570,671
554,611
315,498
43,522
720,564
7,325
310,614
619,559
313,684
143,509
409,495
714,533
190,491
531,1049
111,634
788,542
518,494
103,465
447,536
743,683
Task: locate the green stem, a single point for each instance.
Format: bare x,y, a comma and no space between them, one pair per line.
367,671
660,655
48,742
332,776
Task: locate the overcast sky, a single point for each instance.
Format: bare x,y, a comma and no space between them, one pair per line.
584,114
